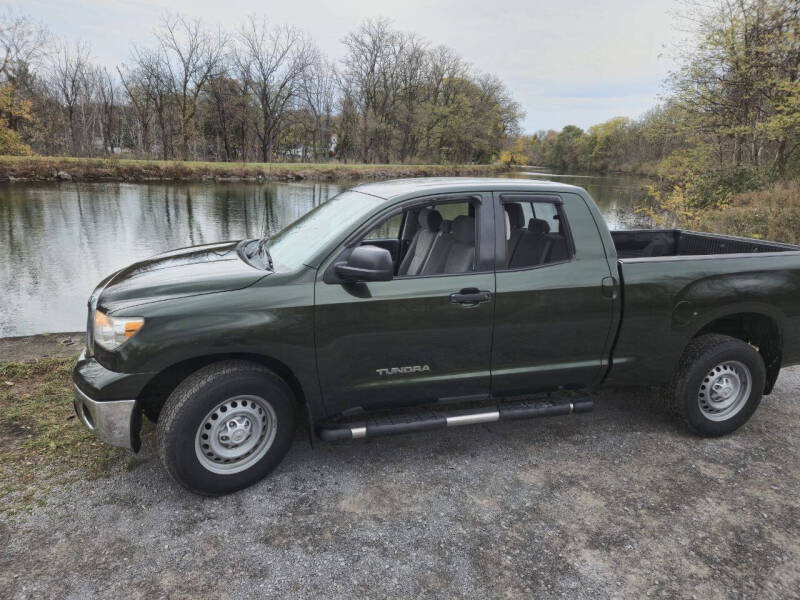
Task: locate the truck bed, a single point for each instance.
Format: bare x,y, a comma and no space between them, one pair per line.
652,243
676,283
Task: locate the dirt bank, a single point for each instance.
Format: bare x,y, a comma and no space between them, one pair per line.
13,168
45,345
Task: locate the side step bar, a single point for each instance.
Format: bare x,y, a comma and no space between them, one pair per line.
426,421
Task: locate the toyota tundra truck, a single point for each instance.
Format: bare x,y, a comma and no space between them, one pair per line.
421,304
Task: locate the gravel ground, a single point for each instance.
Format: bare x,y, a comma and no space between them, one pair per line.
617,503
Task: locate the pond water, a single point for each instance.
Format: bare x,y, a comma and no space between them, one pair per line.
58,240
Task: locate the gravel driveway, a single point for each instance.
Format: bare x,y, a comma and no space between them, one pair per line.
617,503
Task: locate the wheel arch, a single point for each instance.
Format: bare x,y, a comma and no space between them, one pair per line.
759,329
158,389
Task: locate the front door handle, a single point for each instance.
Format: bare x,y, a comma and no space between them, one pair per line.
471,296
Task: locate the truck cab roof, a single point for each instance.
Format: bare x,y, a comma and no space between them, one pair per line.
396,188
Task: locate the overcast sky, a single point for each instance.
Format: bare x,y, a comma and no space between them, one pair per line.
566,62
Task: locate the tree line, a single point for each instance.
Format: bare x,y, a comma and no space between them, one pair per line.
729,120
264,92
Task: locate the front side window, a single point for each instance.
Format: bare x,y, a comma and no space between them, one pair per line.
535,233
437,239
388,230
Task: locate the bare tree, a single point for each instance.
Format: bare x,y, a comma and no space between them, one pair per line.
108,100
155,85
273,61
411,66
190,57
68,75
228,99
22,45
319,87
369,71
139,85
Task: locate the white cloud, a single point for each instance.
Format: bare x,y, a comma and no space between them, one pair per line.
574,61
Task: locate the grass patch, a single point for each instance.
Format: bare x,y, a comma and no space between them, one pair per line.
42,442
42,168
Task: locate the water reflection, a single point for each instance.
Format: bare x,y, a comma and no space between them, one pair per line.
58,240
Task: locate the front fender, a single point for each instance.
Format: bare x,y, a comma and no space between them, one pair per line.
273,318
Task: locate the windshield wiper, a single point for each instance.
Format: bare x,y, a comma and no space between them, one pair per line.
261,248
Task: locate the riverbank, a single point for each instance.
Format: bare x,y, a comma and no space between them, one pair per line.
43,345
46,168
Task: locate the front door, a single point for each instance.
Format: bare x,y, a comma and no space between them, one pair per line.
417,338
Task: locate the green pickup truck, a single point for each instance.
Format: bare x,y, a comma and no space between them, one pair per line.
421,304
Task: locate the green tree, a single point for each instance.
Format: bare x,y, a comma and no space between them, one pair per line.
570,149
609,142
12,106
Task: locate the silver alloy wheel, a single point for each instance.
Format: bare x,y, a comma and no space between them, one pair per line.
236,434
724,390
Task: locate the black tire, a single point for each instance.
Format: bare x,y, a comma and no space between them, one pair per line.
703,354
195,398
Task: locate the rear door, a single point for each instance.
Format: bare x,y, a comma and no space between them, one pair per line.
553,315
406,341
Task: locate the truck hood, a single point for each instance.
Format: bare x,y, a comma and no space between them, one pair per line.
178,274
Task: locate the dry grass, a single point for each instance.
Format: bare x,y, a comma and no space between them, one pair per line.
43,168
42,443
772,214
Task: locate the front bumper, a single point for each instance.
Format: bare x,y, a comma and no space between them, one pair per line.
116,422
105,401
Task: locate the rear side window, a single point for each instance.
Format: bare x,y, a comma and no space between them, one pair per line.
536,234
547,211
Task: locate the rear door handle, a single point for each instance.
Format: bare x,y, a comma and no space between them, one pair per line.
471,296
608,285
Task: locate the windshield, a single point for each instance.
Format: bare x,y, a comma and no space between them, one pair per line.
300,241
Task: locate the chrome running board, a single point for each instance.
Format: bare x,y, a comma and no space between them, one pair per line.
429,420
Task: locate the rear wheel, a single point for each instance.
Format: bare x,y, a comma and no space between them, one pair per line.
226,427
718,384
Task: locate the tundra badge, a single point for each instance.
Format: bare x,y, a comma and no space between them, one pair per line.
403,370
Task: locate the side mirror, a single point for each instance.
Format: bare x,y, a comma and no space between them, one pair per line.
367,263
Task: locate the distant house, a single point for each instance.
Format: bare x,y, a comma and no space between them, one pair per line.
99,145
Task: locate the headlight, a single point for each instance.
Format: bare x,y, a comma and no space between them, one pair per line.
111,332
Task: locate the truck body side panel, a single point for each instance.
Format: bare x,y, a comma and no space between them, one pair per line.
666,302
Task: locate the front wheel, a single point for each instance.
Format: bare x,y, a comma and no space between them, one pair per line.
718,384
226,427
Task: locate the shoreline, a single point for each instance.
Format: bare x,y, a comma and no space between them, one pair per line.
26,348
28,169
